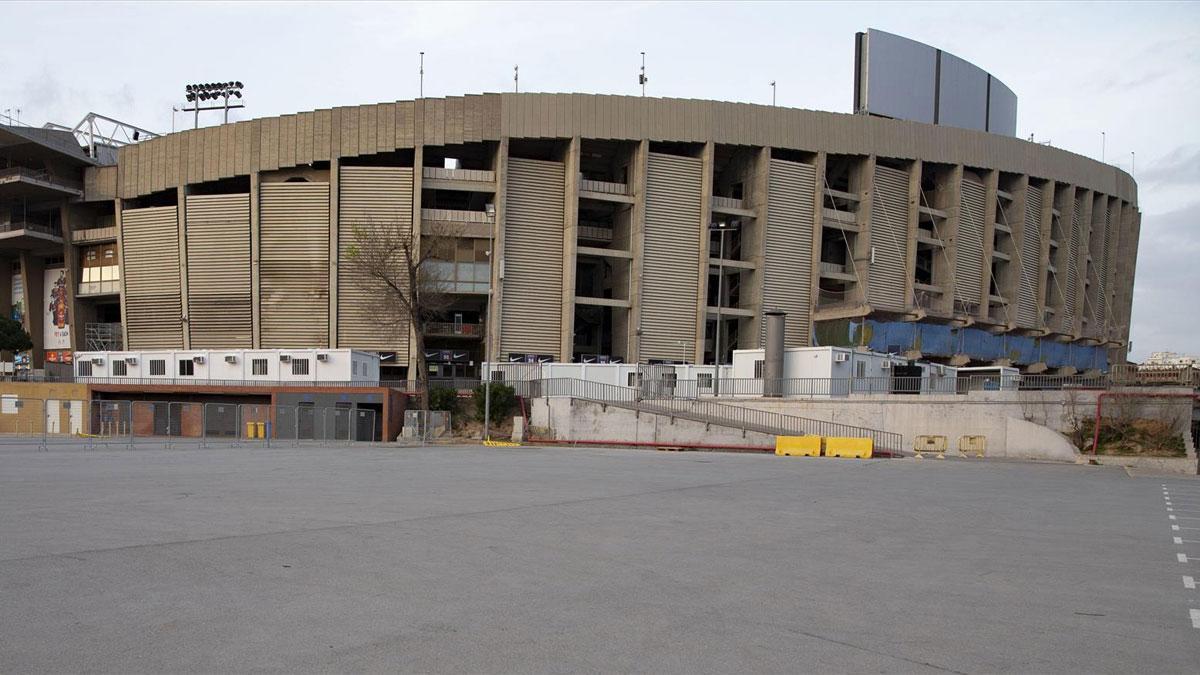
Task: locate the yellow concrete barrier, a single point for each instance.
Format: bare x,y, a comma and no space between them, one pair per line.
501,444
972,445
859,448
798,446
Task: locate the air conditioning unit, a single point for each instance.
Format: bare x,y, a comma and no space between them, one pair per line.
198,359
886,365
322,357
230,358
841,357
98,361
285,358
131,360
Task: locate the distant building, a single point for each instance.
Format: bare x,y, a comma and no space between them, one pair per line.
1169,360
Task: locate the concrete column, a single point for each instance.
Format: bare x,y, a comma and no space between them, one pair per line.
760,196
1020,195
1081,275
914,215
181,216
334,181
570,244
496,304
818,232
637,226
71,265
255,263
991,183
949,199
33,279
706,191
862,182
418,178
121,261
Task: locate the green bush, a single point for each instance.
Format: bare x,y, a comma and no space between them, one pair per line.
504,399
443,398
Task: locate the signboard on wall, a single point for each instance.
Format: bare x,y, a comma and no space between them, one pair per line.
18,299
56,332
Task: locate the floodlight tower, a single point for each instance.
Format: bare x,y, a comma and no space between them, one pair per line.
195,93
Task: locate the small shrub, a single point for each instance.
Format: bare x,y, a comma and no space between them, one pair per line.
443,398
504,399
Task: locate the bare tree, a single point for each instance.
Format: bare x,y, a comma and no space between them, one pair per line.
389,263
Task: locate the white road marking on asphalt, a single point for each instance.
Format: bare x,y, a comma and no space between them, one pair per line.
1189,582
1196,618
1182,557
1176,528
1178,540
1171,517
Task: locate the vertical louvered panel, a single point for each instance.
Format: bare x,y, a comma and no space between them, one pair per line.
1031,255
1070,281
294,266
787,271
968,257
150,263
1099,250
218,262
671,245
370,199
533,242
889,240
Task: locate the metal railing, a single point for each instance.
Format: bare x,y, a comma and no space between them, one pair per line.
659,398
43,228
108,287
40,175
444,328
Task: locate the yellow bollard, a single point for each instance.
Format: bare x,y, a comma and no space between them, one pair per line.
249,429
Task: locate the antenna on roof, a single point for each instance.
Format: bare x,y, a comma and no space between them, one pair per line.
517,79
642,79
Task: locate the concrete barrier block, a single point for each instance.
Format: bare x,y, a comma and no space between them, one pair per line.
798,446
858,448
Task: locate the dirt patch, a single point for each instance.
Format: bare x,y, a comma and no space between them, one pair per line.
1135,438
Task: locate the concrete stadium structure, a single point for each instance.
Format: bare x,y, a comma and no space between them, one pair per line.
589,227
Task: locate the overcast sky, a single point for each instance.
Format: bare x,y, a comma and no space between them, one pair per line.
1131,70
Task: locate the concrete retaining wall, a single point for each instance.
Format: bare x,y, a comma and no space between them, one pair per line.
566,420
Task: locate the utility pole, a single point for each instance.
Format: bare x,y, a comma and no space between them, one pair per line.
642,79
772,93
1103,143
421,86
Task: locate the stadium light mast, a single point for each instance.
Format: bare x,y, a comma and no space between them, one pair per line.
1103,142
517,79
421,74
212,91
772,93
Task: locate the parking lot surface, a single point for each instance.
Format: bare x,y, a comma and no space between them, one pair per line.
470,559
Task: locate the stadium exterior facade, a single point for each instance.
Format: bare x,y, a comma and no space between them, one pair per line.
593,227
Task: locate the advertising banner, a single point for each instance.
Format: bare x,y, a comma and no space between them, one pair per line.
18,299
57,327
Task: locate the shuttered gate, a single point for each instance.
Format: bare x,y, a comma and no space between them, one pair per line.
787,275
1031,255
150,257
968,257
294,269
671,250
218,248
373,201
533,250
889,240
